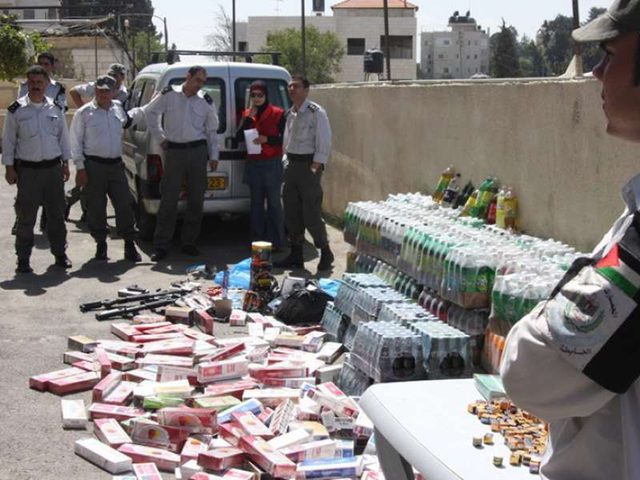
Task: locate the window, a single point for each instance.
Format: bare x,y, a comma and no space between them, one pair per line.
29,14
445,70
276,92
441,56
140,94
215,88
242,46
52,13
355,46
447,42
399,46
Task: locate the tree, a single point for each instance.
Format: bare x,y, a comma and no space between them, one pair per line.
221,40
95,8
18,48
144,44
531,60
555,41
504,53
324,52
591,52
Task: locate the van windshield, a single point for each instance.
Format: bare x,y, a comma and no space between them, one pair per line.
276,92
215,88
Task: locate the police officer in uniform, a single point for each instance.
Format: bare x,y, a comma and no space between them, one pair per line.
96,148
87,90
188,136
307,145
35,146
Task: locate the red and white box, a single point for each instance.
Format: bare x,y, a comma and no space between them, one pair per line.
121,395
194,420
282,417
340,407
258,354
103,360
222,370
289,340
127,349
168,328
169,373
145,327
102,455
178,314
74,414
256,317
310,451
204,320
238,318
72,357
109,431
104,410
198,335
121,362
231,433
329,352
265,416
164,460
188,469
313,341
295,437
205,476
251,425
146,471
288,382
279,370
41,382
152,434
106,386
176,388
174,346
235,474
255,330
124,331
138,375
191,449
76,383
235,389
81,343
144,318
159,359
270,460
272,397
87,366
225,352
221,458
156,337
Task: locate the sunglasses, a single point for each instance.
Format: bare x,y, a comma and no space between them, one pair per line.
256,95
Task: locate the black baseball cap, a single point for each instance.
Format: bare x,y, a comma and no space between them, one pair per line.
623,16
105,82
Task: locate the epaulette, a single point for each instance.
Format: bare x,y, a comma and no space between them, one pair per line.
129,121
14,106
313,107
55,102
62,89
208,98
166,89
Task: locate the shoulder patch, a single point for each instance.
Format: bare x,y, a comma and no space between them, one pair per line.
14,106
208,98
313,107
166,89
62,89
57,104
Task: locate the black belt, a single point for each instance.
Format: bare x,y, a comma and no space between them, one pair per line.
300,157
42,164
103,160
184,145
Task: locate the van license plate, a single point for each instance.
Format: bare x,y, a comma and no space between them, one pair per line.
217,183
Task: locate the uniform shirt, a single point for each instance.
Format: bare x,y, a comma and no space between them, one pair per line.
88,90
308,131
96,131
34,133
186,119
573,360
55,91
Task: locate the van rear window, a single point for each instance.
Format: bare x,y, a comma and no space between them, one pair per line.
215,88
277,93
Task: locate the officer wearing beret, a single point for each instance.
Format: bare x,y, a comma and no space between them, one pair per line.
35,146
184,121
96,147
87,90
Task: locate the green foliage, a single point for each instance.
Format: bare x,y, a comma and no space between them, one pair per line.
531,60
144,45
505,62
324,52
18,48
555,42
95,8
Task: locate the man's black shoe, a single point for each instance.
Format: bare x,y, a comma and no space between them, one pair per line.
190,250
326,259
23,266
63,261
293,260
130,251
158,254
101,251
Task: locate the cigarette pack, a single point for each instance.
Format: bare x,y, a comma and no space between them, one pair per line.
251,425
328,468
269,459
121,362
41,382
238,318
173,346
169,373
222,370
265,415
146,327
106,386
104,410
121,395
235,389
143,390
164,460
253,406
178,314
313,341
219,442
216,403
152,434
206,476
198,335
102,455
278,370
76,383
127,349
330,373
124,331
282,416
74,414
159,359
272,397
256,317
87,366
270,334
81,343
225,352
330,388
235,474
317,430
310,451
144,318
109,431
168,328
189,468
339,407
191,449
177,388
258,354
156,337
72,357
288,382
204,321
363,427
289,340
194,420
344,448
304,330
146,471
149,373
231,433
255,330
103,360
221,458
295,437
248,341
329,352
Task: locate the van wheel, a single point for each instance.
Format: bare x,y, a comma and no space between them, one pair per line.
146,222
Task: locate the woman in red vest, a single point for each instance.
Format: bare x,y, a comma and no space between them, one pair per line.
263,172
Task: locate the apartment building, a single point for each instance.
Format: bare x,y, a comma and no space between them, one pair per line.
46,9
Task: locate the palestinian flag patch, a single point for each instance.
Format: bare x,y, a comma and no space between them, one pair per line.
619,272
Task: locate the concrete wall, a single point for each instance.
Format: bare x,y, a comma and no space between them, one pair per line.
76,56
545,138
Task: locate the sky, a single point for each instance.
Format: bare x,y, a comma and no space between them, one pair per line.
189,21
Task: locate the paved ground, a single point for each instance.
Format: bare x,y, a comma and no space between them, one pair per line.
41,310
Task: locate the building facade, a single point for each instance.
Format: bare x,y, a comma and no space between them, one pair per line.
25,9
461,52
359,24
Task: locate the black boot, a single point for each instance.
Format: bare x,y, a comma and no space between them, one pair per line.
101,251
130,251
63,261
158,254
293,260
23,266
14,229
326,258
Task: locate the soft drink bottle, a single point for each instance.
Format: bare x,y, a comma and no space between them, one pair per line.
491,213
470,204
500,208
510,210
451,192
443,183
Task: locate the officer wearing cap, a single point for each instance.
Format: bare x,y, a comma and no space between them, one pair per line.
307,146
96,148
573,361
87,90
185,122
35,152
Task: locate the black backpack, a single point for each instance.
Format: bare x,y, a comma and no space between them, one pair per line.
304,305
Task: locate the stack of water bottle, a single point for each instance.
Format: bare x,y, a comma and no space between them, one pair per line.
334,323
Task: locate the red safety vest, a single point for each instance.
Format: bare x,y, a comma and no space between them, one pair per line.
267,125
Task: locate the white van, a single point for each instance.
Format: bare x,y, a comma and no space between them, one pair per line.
228,85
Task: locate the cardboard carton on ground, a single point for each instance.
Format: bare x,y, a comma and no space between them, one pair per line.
74,414
41,382
235,389
106,386
176,388
191,449
81,343
109,431
164,460
221,458
104,410
146,471
160,359
151,434
253,406
72,356
76,383
222,370
102,455
194,420
310,451
189,468
251,425
269,459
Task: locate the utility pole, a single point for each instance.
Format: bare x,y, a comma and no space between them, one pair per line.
387,48
233,28
577,49
304,46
